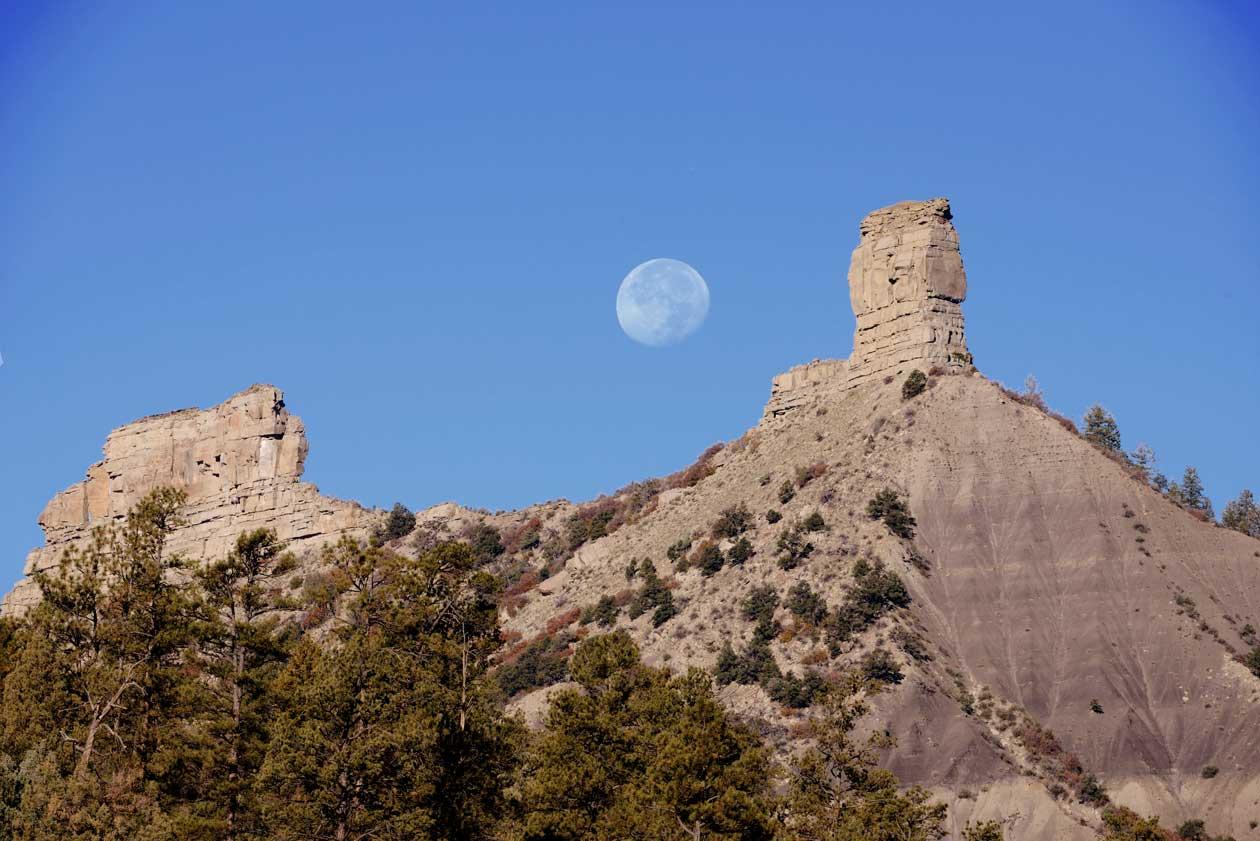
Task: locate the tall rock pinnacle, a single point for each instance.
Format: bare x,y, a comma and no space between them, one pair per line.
907,284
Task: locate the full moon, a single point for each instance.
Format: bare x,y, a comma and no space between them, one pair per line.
661,302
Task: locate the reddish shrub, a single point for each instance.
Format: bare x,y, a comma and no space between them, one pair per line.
805,475
562,620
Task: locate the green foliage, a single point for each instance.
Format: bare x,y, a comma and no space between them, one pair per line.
1252,660
485,542
787,491
838,792
879,666
793,547
1189,493
1101,429
678,549
637,753
603,613
1091,792
1242,515
1193,830
888,506
914,384
773,516
732,522
398,524
814,522
983,831
760,603
653,595
876,590
543,662
708,558
805,604
1121,824
740,552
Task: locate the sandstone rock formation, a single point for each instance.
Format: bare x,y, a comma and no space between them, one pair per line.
906,286
240,463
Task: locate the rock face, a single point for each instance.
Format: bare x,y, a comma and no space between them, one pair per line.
240,463
906,286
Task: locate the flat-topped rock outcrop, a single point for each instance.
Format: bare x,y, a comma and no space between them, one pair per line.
240,463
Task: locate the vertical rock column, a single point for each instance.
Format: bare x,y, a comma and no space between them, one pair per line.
907,284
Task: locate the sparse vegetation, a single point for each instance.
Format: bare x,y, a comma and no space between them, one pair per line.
888,506
914,385
399,523
879,666
875,591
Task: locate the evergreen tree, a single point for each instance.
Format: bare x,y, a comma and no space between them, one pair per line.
242,646
637,753
838,792
1101,429
1143,458
91,703
1189,493
386,729
1242,515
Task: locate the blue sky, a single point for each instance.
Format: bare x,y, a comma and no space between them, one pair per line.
414,218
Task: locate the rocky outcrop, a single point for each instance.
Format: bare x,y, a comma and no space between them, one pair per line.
239,462
906,286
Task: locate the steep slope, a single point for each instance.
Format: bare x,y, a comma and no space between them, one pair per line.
1037,598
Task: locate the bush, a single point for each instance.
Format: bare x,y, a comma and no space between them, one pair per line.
1095,707
911,643
399,523
875,591
880,667
542,663
773,516
603,612
1193,830
914,384
786,492
805,475
760,603
1091,792
1209,771
708,558
678,548
888,506
485,543
665,611
740,552
653,595
793,547
814,522
806,605
732,522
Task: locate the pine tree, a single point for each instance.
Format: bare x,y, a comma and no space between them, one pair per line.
1189,493
1242,515
386,729
242,645
839,793
637,753
1101,429
92,698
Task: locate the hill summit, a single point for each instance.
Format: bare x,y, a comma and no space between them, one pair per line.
1053,632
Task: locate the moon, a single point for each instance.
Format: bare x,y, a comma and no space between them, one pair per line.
661,302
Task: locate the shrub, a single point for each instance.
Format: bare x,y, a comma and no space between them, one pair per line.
485,542
678,548
590,522
786,492
653,595
914,384
542,663
1209,771
708,557
793,547
740,552
732,522
805,475
1095,707
773,516
603,612
814,522
1193,830
399,523
875,591
522,536
1252,661
880,667
1091,792
665,611
911,643
760,603
805,604
888,506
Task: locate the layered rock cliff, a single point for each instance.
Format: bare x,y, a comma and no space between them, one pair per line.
240,463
